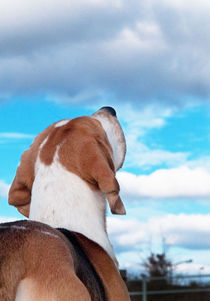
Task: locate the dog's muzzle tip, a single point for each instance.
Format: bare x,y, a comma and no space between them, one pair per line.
109,110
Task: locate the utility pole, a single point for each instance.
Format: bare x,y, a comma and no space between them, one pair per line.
144,288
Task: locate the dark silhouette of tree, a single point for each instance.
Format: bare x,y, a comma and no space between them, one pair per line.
157,265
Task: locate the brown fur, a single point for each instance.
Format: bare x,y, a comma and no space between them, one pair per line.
114,285
20,191
41,255
84,150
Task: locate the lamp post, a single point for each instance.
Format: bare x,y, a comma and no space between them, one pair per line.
179,263
200,272
183,261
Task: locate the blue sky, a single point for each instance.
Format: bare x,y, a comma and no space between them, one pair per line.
151,63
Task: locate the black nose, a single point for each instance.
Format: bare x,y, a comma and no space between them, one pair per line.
110,110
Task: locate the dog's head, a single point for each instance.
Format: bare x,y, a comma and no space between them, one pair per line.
91,147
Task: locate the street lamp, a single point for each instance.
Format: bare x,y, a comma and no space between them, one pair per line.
183,261
179,263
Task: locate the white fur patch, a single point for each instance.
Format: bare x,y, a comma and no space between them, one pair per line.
43,142
26,291
62,199
49,234
29,290
61,123
115,136
14,227
28,229
19,227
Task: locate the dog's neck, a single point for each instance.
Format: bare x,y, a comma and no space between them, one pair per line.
62,199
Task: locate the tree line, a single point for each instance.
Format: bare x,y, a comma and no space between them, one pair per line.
158,265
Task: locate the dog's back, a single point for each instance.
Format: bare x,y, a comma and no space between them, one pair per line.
38,262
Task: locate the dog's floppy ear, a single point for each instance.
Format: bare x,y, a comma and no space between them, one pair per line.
103,171
116,204
108,184
20,190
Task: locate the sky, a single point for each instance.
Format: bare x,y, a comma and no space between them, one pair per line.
150,61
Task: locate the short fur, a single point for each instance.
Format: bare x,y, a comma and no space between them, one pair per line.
38,263
84,269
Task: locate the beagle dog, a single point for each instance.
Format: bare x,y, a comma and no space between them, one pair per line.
63,181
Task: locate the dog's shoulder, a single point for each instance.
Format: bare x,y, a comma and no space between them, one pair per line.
84,269
104,266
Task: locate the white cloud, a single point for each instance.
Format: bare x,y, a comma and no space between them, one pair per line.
202,162
167,183
4,219
186,237
13,135
144,157
137,124
140,121
177,230
131,51
4,189
193,269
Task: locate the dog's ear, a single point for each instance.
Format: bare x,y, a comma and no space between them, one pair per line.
103,172
116,204
20,190
102,168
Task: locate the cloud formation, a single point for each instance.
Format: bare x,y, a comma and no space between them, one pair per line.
177,230
137,125
87,50
4,219
4,189
14,135
180,182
